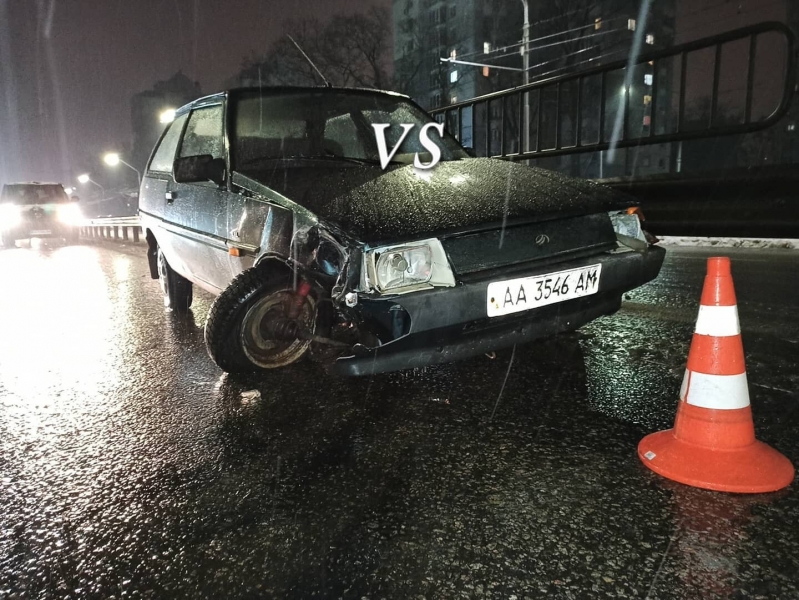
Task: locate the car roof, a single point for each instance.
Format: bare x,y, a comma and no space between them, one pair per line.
283,89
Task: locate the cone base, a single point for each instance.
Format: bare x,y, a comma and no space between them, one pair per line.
753,469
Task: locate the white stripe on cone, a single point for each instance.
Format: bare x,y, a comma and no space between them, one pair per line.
718,321
720,392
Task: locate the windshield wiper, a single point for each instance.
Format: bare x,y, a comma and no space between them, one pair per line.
327,157
352,159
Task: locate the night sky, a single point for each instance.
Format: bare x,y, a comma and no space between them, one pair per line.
69,68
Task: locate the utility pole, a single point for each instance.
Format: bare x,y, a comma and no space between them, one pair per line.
526,67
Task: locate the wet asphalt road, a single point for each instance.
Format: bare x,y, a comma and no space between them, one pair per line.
131,467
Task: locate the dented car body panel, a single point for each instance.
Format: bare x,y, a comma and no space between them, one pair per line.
401,257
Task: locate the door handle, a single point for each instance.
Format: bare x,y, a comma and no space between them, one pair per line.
170,197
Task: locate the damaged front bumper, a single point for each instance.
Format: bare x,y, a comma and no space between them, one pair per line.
448,324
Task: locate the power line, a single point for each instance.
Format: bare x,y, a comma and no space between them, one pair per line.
577,64
546,62
549,36
541,64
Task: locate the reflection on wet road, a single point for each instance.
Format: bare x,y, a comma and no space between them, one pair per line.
131,467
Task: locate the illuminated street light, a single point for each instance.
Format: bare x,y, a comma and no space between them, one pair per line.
84,178
167,116
112,159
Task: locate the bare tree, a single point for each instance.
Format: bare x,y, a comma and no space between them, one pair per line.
357,47
350,50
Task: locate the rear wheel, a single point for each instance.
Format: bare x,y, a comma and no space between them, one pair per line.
7,240
259,322
176,288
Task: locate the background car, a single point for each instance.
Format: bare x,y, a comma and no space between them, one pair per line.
275,200
37,210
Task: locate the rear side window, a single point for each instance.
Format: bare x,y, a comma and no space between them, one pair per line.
204,133
165,154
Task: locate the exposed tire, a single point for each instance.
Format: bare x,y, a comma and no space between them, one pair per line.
176,288
8,241
235,333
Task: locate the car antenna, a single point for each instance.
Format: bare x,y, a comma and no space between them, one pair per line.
327,83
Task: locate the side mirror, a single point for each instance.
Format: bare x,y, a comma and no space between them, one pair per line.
470,151
201,168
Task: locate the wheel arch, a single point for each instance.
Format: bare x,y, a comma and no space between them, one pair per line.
274,264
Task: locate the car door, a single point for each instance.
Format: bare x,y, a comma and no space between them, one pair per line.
197,212
155,183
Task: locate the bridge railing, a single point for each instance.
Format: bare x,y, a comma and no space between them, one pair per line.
112,228
705,88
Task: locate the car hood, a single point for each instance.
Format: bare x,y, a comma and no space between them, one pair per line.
403,202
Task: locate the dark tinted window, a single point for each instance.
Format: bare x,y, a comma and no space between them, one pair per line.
33,194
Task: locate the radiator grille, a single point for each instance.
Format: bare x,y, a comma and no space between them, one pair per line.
528,243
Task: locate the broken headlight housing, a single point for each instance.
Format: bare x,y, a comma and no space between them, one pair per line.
627,225
406,268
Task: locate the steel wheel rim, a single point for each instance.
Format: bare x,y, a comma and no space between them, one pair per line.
162,279
269,353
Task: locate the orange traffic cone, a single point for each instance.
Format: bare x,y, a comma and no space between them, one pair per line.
713,443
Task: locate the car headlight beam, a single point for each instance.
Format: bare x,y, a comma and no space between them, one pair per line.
69,214
10,215
407,267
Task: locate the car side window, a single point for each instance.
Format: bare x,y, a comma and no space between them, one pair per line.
205,133
164,156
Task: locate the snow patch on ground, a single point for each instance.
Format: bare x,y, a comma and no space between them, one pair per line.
729,242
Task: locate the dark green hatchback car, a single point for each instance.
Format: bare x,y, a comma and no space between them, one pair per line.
276,200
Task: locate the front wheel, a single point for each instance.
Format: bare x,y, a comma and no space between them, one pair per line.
176,288
259,322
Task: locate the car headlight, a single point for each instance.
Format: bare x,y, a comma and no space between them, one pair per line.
407,267
69,214
10,215
627,226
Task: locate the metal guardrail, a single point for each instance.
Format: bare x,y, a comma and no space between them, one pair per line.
578,112
112,228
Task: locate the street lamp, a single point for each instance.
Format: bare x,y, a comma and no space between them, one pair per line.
167,116
112,159
84,178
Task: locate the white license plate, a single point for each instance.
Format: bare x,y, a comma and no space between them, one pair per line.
516,295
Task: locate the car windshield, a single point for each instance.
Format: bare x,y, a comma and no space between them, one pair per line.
330,125
33,194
